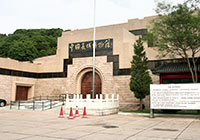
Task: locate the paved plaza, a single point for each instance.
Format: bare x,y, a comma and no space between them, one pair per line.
29,125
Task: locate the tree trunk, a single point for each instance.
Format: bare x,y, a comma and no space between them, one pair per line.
195,70
191,70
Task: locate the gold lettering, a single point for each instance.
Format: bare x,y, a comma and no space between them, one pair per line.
77,46
107,43
71,46
83,46
88,45
100,44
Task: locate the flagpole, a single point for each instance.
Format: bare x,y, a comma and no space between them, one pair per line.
94,32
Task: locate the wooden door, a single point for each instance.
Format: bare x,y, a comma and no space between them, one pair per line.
86,84
22,93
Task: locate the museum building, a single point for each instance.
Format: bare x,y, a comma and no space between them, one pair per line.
70,70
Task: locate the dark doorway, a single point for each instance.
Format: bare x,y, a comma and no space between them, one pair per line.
86,84
21,93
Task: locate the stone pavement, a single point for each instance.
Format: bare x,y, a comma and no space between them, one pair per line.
29,125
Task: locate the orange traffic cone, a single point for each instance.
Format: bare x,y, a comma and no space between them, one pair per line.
84,113
76,114
71,114
61,113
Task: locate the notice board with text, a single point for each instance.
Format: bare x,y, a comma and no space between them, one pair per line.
175,96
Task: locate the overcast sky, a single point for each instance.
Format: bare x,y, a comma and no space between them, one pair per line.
70,14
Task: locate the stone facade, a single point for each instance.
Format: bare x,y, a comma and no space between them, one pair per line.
62,74
82,65
50,87
8,86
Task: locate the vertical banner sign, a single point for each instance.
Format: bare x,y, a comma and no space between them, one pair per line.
175,96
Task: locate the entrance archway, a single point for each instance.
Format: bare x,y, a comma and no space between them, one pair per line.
86,84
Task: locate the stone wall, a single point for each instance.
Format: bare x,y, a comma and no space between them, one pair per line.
50,87
56,86
5,87
81,66
127,98
8,86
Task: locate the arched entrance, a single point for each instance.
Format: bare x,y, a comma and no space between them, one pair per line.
86,84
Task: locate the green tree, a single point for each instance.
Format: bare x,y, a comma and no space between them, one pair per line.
176,32
22,51
2,48
26,45
140,79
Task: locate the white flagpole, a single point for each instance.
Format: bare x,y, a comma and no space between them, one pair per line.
93,83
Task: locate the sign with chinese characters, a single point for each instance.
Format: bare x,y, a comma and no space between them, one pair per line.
175,96
86,48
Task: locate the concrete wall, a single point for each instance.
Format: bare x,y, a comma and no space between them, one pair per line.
8,63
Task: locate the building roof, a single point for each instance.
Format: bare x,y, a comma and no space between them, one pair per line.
173,68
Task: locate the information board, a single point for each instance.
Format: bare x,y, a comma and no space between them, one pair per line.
175,96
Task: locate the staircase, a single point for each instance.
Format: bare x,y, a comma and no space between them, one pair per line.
39,103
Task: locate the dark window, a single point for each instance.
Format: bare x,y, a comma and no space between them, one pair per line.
141,32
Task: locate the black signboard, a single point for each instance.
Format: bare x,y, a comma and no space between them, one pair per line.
85,49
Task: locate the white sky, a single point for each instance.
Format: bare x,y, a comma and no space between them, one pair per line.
70,14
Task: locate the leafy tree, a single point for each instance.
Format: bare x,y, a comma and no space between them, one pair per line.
26,45
140,79
176,32
2,41
22,51
2,37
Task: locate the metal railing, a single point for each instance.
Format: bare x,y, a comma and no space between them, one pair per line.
43,102
54,98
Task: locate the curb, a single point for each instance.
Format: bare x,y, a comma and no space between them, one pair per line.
159,115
